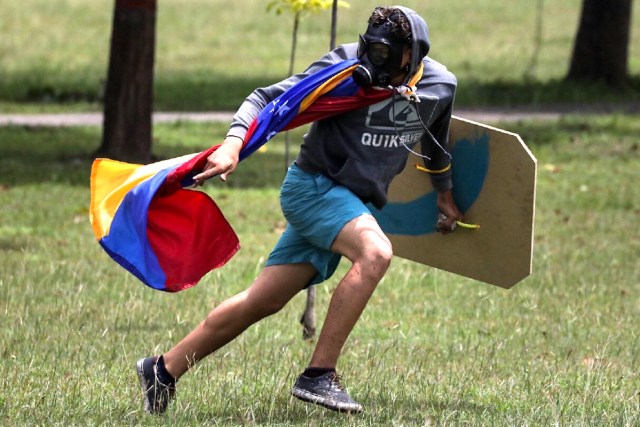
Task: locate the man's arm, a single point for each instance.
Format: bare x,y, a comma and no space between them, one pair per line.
261,97
435,144
221,162
224,160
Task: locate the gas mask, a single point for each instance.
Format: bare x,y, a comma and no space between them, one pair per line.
380,55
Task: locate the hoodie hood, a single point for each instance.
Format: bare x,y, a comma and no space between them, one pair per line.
419,38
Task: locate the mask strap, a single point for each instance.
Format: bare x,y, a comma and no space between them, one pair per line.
408,91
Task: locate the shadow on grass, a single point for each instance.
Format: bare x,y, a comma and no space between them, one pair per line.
200,91
12,244
30,155
181,92
33,155
541,95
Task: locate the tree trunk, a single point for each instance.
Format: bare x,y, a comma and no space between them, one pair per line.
292,60
334,24
601,46
308,319
128,98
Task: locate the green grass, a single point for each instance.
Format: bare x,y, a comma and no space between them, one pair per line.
560,348
211,55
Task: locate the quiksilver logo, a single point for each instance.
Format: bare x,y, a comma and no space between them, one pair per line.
389,141
392,115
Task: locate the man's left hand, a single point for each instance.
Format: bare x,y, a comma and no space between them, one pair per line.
449,213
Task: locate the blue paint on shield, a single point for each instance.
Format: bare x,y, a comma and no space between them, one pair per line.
417,217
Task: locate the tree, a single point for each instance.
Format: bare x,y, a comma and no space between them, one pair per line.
128,97
601,46
298,8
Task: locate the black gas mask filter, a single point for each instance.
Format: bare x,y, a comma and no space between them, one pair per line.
380,54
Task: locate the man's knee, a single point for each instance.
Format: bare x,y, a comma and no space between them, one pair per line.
373,262
362,240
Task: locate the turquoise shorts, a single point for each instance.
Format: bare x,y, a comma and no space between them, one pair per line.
316,209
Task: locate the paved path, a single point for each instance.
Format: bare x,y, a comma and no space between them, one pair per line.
95,119
490,115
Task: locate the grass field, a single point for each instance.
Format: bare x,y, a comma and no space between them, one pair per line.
210,54
561,348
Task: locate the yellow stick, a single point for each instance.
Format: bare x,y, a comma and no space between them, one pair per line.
469,226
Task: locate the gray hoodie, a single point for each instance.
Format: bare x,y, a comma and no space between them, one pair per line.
365,149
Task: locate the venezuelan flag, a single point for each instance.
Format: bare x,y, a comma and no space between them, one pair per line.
169,236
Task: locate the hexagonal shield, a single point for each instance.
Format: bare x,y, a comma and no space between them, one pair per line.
494,178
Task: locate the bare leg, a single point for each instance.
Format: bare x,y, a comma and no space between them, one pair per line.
271,291
363,242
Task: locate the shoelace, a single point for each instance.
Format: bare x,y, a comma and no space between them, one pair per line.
336,381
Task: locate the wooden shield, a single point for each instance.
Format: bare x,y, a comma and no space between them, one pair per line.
494,178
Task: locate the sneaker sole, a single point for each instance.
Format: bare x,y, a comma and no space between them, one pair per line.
329,404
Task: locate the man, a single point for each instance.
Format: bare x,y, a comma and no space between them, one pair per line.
345,162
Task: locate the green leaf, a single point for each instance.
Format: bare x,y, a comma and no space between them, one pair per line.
303,6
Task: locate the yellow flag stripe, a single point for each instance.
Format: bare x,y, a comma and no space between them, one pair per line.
111,180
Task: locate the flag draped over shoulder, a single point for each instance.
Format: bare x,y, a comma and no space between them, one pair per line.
169,236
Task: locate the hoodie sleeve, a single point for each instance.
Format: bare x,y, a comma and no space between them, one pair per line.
260,97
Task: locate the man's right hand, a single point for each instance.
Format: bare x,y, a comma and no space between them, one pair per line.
221,162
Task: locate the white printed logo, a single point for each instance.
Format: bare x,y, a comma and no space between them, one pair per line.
384,114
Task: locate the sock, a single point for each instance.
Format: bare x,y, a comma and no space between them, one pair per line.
163,375
316,372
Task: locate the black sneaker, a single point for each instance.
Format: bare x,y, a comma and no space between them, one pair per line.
156,394
326,391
